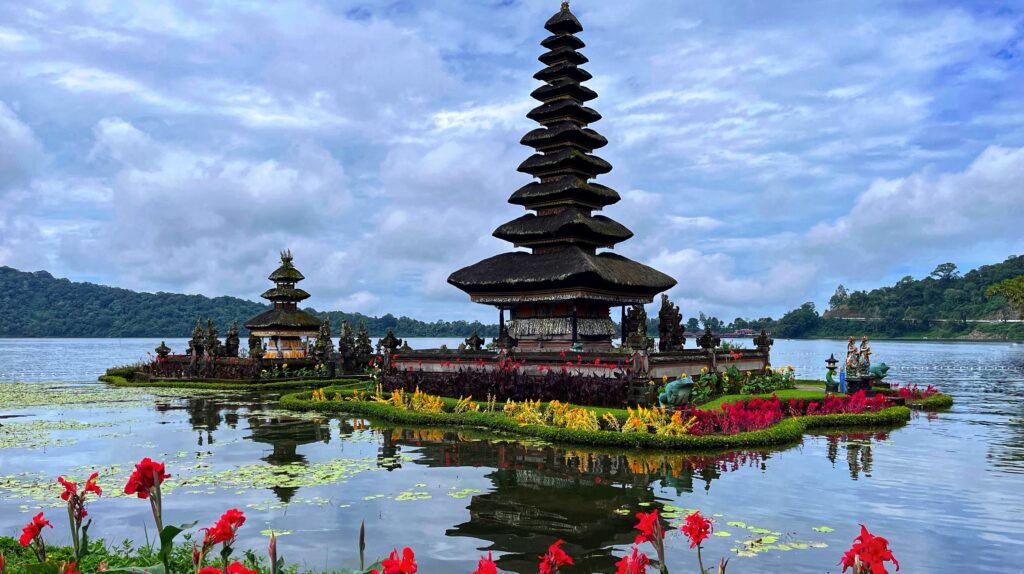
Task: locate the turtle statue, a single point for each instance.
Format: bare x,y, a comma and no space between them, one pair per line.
676,393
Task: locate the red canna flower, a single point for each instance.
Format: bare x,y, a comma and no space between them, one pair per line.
225,528
635,564
91,486
33,529
3,563
697,528
238,568
597,361
649,527
147,474
395,565
70,488
486,565
71,569
868,554
555,557
210,570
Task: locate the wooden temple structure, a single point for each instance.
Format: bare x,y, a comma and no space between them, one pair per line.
559,294
286,328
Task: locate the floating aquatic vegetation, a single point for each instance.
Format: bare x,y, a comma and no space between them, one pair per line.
82,395
466,493
40,433
412,495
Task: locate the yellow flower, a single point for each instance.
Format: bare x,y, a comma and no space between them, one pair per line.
284,366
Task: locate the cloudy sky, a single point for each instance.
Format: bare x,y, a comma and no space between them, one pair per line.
765,151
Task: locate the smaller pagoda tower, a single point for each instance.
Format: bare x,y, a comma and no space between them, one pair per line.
285,325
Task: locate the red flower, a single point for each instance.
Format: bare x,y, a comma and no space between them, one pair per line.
32,529
562,354
91,486
486,566
869,553
70,569
70,488
735,354
635,564
2,563
597,361
210,570
225,528
555,557
237,568
147,475
649,527
395,565
697,528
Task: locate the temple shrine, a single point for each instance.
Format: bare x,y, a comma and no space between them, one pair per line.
559,294
287,327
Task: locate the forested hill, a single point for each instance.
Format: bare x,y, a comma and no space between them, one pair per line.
944,294
39,305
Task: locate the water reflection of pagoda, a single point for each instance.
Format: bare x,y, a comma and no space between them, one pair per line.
542,493
285,435
561,292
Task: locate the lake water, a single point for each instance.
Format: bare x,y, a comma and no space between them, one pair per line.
946,489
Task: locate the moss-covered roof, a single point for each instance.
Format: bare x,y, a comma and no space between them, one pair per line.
569,224
284,319
571,267
285,294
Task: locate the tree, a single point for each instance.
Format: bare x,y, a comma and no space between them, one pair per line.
840,298
1012,290
945,271
692,324
799,322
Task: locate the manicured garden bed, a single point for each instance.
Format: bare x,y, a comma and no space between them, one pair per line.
788,430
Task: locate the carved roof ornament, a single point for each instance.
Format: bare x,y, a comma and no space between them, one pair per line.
763,342
708,340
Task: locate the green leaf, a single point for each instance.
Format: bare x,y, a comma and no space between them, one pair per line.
154,569
44,568
167,536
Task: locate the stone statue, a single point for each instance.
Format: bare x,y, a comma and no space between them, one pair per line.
504,340
670,327
255,347
231,342
390,343
763,342
636,318
708,341
163,350
364,348
852,357
197,344
475,341
213,346
323,347
638,339
347,348
676,393
864,365
405,346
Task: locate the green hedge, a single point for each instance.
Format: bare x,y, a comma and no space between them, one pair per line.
234,385
787,431
933,403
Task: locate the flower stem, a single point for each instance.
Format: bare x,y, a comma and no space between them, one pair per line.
700,562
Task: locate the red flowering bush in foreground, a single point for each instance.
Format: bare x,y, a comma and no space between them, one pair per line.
868,555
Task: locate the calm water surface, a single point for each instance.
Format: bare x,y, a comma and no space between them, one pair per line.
946,489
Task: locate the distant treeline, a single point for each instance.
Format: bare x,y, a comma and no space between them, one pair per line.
941,305
39,305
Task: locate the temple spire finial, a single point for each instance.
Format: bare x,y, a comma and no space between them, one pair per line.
565,4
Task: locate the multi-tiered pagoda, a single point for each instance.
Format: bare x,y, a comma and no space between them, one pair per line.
285,325
561,292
